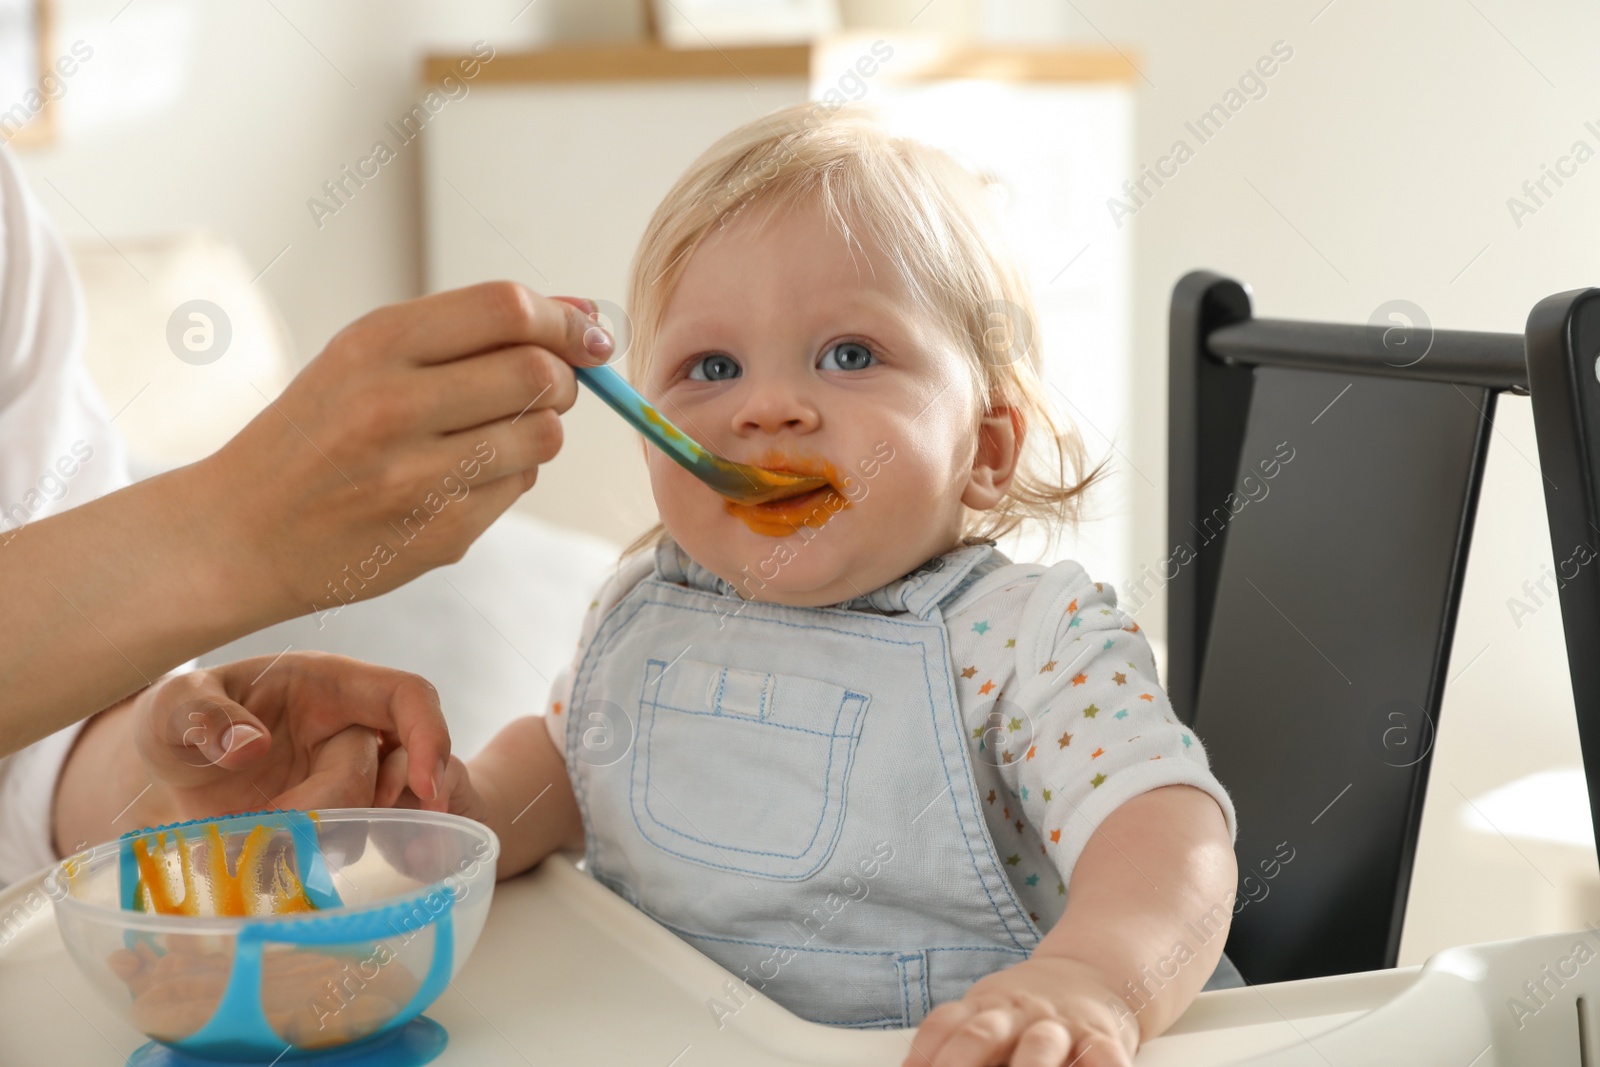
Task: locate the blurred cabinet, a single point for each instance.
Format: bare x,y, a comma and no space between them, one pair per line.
548,170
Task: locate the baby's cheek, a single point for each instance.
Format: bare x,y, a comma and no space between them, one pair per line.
677,493
917,487
691,512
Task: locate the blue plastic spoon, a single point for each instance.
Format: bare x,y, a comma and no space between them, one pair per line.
736,481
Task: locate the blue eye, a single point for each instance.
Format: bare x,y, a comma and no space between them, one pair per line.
852,355
714,369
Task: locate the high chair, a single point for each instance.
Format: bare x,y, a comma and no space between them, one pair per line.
1324,479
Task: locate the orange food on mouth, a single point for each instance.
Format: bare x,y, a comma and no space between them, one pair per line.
780,518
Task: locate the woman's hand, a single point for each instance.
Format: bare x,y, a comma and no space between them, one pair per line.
391,452
305,730
1047,1011
396,788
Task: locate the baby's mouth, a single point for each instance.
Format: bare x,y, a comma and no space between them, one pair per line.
801,500
813,507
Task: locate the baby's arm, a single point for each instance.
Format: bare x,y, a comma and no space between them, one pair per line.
1108,975
525,796
1159,868
1126,811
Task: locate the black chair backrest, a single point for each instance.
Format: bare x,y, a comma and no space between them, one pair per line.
1563,354
1323,483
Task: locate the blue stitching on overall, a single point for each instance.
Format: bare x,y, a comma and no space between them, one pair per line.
797,800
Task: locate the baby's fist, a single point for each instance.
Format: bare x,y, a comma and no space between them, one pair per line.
1047,1011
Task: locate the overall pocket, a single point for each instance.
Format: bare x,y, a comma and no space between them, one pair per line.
743,770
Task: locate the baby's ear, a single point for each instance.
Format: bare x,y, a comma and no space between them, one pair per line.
1000,434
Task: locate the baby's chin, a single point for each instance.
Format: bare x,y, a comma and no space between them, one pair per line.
791,570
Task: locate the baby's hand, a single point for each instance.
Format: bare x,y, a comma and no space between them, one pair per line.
456,787
1047,1011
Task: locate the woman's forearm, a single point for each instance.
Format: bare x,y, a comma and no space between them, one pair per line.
1150,903
120,591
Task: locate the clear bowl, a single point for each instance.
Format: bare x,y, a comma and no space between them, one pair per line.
400,898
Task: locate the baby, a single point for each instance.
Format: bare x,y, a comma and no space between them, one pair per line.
840,743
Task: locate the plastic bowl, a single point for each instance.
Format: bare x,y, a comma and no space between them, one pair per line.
400,898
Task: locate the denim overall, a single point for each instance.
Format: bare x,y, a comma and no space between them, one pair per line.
796,801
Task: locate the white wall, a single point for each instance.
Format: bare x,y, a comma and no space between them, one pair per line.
231,116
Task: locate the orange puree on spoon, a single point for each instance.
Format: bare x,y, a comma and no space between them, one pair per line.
780,518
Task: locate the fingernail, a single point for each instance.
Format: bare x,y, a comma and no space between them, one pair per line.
237,736
597,341
438,780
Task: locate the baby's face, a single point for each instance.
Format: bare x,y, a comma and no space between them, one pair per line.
780,349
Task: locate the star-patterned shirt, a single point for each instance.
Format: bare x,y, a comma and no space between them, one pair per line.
1065,718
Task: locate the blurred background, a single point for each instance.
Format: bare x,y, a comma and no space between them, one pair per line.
1335,155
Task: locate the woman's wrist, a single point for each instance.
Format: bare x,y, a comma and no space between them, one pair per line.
104,788
239,536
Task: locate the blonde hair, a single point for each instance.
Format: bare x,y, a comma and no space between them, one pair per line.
926,212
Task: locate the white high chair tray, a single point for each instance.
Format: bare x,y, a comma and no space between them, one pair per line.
566,971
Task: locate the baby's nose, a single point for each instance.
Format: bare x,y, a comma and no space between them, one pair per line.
776,408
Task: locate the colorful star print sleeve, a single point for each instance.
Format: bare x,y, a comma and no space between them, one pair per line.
631,572
1066,720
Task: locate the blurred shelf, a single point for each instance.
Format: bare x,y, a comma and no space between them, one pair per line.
918,58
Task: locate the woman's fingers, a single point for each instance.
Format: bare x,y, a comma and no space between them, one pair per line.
582,303
324,691
393,773
519,445
217,733
343,773
455,792
497,385
419,723
190,731
310,696
478,318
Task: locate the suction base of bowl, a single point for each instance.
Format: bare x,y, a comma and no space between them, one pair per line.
417,1042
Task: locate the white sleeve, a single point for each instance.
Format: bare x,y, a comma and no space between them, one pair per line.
630,573
57,446
27,791
1103,724
57,450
